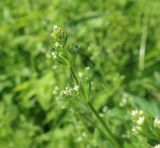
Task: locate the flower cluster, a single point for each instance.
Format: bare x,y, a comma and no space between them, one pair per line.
58,37
138,119
157,123
125,101
86,74
69,91
157,146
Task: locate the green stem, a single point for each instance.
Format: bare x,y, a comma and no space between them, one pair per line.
111,136
74,75
77,81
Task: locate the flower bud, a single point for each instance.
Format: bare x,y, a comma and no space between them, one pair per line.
58,38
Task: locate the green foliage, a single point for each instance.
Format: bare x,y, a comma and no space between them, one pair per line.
96,84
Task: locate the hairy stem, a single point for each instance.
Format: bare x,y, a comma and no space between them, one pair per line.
110,135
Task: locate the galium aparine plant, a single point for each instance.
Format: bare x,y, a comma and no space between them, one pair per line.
80,90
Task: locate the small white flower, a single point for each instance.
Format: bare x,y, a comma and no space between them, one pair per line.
157,122
157,146
133,129
141,112
65,92
67,88
55,27
76,88
80,74
140,120
136,129
134,113
137,113
87,69
57,44
54,55
68,91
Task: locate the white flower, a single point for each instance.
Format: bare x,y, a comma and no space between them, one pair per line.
134,113
157,122
140,120
137,113
58,37
80,74
55,27
141,112
65,92
157,146
57,44
70,91
54,54
133,129
136,129
87,69
76,88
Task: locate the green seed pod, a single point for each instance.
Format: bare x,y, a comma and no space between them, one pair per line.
58,38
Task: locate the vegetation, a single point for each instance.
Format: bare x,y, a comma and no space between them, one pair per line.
80,74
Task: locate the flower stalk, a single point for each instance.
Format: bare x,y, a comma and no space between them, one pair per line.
109,133
59,39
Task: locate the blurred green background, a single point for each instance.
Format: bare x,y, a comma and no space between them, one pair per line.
109,33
